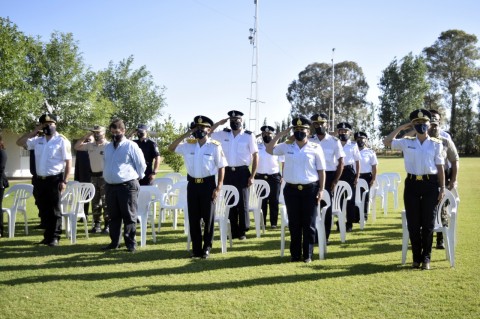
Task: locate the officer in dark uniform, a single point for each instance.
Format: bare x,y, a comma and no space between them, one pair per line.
424,185
304,174
241,150
269,171
351,168
150,152
53,164
368,166
202,189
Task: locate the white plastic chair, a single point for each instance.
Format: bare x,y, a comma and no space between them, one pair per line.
394,180
164,185
147,197
341,189
449,231
378,190
227,199
258,191
360,199
177,201
175,177
20,193
320,225
78,194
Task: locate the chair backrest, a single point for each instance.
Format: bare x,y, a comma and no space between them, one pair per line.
81,193
178,194
454,192
175,177
164,185
146,196
228,197
258,191
66,198
450,202
20,193
383,183
341,189
361,183
393,180
322,211
281,198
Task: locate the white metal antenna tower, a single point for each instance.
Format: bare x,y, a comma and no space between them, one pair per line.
333,93
254,112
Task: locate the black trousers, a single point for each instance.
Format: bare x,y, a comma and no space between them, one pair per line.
420,199
302,211
239,218
329,177
368,178
48,202
41,215
122,203
200,206
274,181
348,175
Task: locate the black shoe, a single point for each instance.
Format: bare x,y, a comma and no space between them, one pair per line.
348,227
106,230
426,265
308,260
96,229
42,242
206,254
242,237
440,245
274,227
53,243
110,247
294,259
131,249
415,265
196,256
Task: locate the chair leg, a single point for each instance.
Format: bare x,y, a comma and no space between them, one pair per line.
405,238
11,224
256,217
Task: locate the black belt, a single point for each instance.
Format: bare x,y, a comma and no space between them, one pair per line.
200,180
302,186
422,177
96,174
348,166
236,168
124,183
50,176
265,176
365,174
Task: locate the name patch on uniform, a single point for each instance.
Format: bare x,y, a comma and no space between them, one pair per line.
289,152
207,154
227,140
412,147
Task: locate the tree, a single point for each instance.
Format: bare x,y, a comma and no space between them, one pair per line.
135,96
18,99
312,92
166,133
451,63
403,85
466,134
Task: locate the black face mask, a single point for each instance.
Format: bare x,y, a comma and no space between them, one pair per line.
117,138
199,134
235,125
140,135
49,130
97,137
360,144
299,135
421,128
343,137
320,130
267,139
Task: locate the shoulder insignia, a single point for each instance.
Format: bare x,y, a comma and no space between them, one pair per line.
227,130
191,140
335,138
248,132
315,144
289,142
436,140
410,137
63,136
215,142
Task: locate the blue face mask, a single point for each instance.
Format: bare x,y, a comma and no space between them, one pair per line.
421,128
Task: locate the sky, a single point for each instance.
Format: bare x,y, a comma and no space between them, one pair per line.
199,49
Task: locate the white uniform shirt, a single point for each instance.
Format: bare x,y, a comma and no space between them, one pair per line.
238,149
332,149
352,154
301,164
202,161
268,164
368,158
50,156
420,159
96,153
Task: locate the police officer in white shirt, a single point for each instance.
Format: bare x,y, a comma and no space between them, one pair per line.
368,166
269,171
334,155
351,167
241,151
424,185
204,159
304,174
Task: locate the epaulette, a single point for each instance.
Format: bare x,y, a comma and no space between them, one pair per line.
68,144
227,130
63,136
191,140
410,137
215,142
335,138
436,140
288,142
315,145
248,132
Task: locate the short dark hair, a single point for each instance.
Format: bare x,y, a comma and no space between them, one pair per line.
117,124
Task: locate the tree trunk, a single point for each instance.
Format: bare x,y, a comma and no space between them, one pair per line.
453,114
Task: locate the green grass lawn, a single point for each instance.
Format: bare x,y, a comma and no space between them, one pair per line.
362,278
